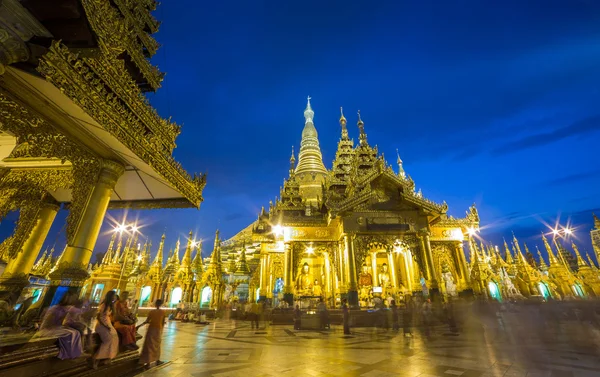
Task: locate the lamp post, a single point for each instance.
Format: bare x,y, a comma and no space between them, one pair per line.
134,229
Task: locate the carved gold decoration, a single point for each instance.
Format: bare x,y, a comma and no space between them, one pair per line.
113,100
116,36
44,140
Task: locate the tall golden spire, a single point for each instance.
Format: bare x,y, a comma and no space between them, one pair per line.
187,256
116,256
401,171
543,265
343,124
551,256
158,260
590,261
596,221
292,163
310,159
215,257
175,257
508,256
197,266
580,261
362,136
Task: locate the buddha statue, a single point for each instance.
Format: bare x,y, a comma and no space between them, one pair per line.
365,279
304,282
317,291
385,281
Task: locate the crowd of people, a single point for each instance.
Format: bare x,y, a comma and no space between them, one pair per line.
71,321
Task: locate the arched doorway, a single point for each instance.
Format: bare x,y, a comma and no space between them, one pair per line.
176,295
206,297
145,296
578,291
544,291
494,291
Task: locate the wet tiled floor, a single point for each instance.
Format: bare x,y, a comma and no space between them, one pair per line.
230,348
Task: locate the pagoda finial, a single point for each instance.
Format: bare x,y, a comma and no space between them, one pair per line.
343,124
580,261
309,114
310,159
292,162
361,129
401,171
551,256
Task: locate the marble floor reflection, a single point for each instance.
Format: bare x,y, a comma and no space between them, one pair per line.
230,348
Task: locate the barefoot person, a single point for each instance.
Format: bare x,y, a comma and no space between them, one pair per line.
109,346
151,349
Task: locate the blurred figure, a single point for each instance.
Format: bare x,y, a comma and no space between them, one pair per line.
407,317
151,348
69,339
395,323
346,317
323,317
297,318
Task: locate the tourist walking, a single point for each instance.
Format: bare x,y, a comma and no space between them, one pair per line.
346,317
394,308
323,315
124,322
109,339
407,317
297,318
69,339
151,348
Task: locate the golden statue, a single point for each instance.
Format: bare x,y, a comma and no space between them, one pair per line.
365,279
384,279
304,282
317,291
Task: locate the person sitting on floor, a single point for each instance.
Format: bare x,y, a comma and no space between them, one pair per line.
69,339
124,322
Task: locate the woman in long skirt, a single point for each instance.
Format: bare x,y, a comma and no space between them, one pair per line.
109,346
151,349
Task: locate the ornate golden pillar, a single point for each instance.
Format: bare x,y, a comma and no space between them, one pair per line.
288,288
392,264
263,275
328,285
462,262
351,263
374,269
432,275
15,276
342,267
73,267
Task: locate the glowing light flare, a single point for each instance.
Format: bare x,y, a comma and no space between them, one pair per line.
139,257
556,232
568,231
310,250
120,228
471,231
134,228
278,230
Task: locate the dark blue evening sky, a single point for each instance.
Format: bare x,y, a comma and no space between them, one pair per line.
492,102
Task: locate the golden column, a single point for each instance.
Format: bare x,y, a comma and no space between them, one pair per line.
78,253
328,285
15,276
432,275
392,264
342,267
374,268
263,275
462,262
288,288
351,269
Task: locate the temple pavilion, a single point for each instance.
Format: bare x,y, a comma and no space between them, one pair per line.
77,132
361,230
